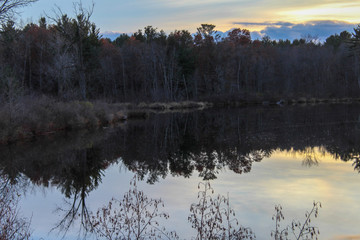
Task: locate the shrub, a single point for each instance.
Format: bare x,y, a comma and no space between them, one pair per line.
133,217
300,230
12,226
213,218
136,216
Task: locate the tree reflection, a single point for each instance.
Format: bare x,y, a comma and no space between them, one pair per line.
77,181
74,209
310,156
76,169
356,163
243,163
181,144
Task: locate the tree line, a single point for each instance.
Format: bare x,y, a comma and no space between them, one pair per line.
69,59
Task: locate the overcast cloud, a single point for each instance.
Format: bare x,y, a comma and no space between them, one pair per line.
287,30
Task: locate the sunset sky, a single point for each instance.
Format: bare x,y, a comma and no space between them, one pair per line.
276,18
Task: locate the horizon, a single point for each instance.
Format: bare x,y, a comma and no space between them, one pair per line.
277,20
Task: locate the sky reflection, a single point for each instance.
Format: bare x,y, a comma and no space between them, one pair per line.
280,179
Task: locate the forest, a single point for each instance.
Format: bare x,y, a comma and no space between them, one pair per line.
67,58
61,74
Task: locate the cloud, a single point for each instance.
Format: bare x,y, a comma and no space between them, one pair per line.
110,34
264,23
287,30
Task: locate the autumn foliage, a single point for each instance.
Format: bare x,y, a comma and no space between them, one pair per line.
68,59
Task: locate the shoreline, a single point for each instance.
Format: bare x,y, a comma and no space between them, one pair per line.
46,117
50,117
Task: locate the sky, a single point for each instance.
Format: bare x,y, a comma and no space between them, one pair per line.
276,18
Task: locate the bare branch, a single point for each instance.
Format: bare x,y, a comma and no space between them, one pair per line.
8,8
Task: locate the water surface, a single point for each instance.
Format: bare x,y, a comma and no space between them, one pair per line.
261,157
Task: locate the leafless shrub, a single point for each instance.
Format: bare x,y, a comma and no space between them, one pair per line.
213,218
136,216
300,230
133,217
12,226
278,233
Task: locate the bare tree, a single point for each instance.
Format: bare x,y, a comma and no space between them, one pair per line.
7,8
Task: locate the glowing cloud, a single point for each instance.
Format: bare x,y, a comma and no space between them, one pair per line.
347,11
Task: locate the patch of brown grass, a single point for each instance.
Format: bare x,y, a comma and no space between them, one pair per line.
38,116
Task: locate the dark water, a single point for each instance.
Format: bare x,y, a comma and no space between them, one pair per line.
259,156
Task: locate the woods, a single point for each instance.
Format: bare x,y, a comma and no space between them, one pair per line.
59,73
69,60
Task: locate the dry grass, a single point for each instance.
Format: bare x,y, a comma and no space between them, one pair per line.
39,116
31,116
174,105
302,100
137,114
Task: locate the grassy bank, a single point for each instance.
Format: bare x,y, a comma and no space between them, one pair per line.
237,101
29,117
